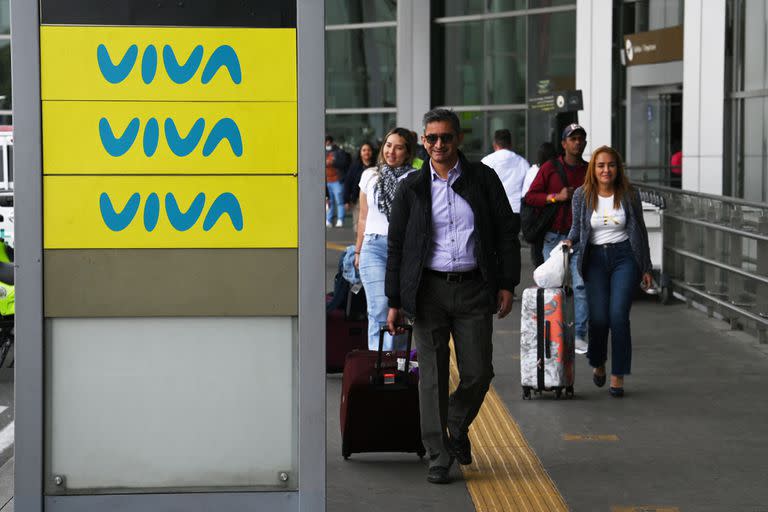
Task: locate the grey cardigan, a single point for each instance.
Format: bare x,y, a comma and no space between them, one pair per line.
581,228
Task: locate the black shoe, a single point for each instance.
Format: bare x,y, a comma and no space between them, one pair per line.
599,380
460,448
616,392
438,475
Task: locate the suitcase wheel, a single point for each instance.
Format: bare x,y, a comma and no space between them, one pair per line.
558,393
421,453
526,392
569,392
345,450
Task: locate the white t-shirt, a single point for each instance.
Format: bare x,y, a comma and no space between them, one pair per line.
511,169
376,223
530,175
609,224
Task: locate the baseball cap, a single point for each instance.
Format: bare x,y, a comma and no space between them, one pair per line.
573,127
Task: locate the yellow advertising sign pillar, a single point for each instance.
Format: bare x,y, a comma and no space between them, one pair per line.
177,364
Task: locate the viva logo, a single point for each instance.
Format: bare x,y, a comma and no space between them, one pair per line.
222,57
182,146
225,203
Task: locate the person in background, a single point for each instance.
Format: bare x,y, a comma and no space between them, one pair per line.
613,255
377,191
510,167
453,261
335,169
545,153
548,187
365,159
676,166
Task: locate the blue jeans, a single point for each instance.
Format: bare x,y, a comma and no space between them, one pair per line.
581,309
373,267
336,196
612,277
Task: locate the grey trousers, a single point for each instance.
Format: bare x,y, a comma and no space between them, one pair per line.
464,310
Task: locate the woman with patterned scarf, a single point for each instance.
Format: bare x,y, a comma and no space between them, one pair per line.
377,190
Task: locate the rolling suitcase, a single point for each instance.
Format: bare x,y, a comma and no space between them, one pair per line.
342,336
547,339
380,403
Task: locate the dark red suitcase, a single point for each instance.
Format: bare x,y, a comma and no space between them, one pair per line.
379,404
342,336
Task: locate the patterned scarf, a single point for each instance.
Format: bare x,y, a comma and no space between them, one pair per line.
387,185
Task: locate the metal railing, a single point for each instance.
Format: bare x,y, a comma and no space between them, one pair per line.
715,253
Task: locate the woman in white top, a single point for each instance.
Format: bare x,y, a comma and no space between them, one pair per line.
613,256
377,190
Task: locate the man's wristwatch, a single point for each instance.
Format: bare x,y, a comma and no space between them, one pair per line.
551,198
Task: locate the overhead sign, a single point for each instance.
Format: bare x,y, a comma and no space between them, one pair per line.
665,45
558,101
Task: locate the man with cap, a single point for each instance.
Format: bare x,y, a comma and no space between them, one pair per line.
549,188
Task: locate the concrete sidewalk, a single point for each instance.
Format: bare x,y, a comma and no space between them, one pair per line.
690,435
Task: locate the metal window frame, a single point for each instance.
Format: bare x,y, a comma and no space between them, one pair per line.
364,25
503,15
30,376
362,110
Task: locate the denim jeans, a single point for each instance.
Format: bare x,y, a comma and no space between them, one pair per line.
373,267
612,277
581,309
336,197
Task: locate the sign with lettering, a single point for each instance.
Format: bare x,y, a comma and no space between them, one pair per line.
665,45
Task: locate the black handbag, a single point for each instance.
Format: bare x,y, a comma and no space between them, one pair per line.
534,222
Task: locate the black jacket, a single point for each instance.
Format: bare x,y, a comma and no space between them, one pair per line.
352,182
497,247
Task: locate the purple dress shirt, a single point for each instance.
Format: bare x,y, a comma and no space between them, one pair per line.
453,226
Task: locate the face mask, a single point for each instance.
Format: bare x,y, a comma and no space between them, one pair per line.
328,148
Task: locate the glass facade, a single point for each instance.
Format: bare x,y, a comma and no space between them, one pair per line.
5,62
746,133
361,70
488,68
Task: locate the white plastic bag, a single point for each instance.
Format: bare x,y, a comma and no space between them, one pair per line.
551,273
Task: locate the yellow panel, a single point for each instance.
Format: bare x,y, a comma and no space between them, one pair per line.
79,210
77,137
74,67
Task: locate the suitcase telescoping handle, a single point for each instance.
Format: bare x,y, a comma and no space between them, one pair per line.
409,331
566,265
547,339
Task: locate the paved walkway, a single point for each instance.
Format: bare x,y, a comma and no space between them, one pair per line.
690,435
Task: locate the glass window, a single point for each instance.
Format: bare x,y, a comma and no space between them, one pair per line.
5,17
5,74
360,68
552,58
340,12
483,62
753,154
351,130
755,24
478,128
538,4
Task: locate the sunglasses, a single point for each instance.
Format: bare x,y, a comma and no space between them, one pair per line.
445,138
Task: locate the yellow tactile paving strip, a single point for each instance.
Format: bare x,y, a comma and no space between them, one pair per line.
505,474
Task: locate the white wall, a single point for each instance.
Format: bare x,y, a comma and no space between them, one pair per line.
594,26
703,95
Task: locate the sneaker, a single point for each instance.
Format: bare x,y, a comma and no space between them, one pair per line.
328,224
339,223
581,346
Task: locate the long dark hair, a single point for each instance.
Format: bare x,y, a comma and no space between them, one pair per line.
621,185
360,154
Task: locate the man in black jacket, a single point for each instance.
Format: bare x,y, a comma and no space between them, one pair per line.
453,261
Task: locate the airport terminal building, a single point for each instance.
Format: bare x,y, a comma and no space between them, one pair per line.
656,76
